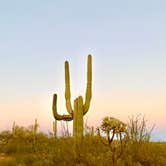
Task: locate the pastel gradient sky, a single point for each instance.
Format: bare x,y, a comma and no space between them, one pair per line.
126,38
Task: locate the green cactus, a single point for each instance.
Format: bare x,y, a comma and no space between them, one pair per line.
55,128
14,128
92,131
80,108
35,128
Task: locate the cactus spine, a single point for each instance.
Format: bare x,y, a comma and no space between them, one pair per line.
80,108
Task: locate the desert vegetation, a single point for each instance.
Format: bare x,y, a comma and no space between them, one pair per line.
18,148
113,143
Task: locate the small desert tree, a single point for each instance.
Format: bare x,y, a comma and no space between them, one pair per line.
112,126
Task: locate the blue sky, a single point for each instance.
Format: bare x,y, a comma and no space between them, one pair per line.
126,38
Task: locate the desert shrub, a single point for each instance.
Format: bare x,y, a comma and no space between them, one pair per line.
10,162
60,151
138,146
6,160
5,136
138,130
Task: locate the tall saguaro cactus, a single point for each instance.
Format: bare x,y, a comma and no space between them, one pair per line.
79,108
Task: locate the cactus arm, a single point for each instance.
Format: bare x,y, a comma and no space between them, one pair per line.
67,88
89,85
56,115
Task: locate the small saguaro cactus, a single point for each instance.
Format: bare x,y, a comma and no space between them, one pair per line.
92,131
80,109
14,128
55,128
35,128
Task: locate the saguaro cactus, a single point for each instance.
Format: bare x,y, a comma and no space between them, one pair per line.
35,128
55,128
14,128
80,108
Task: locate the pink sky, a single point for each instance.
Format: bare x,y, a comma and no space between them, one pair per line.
117,104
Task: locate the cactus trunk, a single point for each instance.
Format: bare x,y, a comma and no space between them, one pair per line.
80,108
78,120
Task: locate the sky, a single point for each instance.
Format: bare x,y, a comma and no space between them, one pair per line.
126,39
